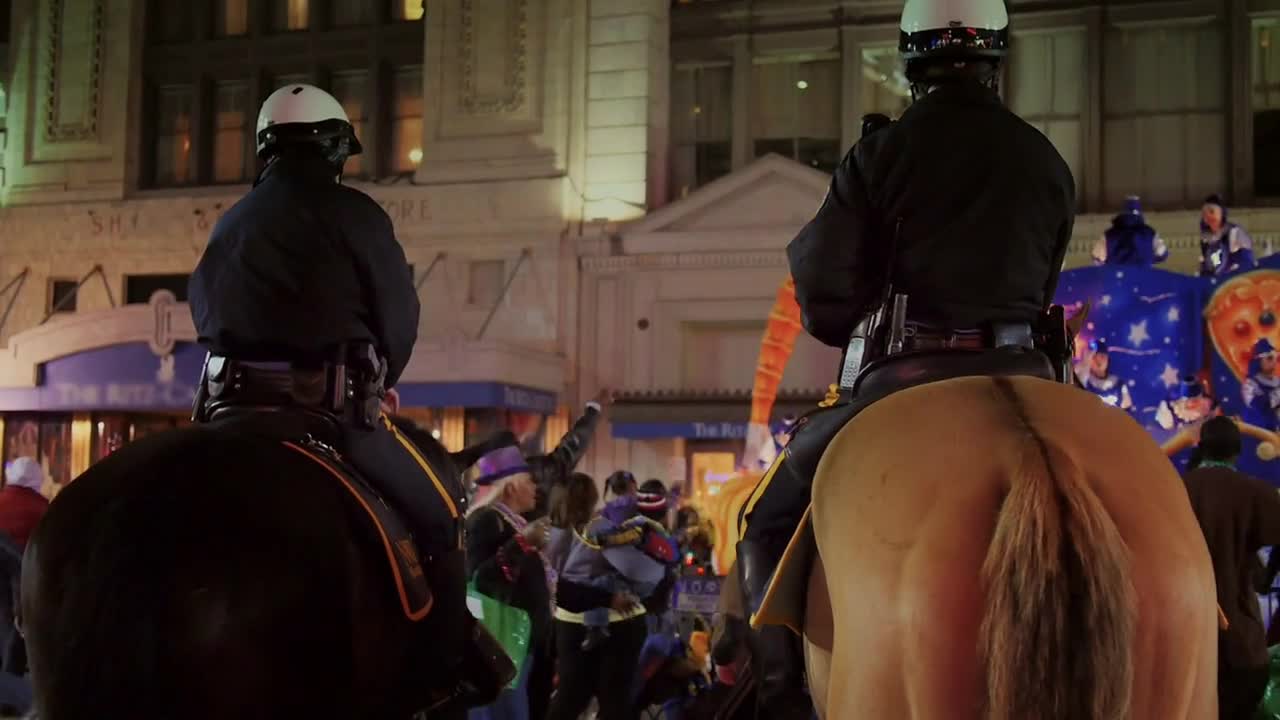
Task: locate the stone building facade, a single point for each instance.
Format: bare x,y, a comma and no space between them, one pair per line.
593,193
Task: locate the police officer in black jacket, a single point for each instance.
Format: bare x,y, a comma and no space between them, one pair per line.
304,298
961,205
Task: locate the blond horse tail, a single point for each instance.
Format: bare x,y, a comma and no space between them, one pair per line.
1058,628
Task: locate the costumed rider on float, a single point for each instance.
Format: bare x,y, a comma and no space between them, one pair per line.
306,305
1096,377
941,238
1130,240
1261,390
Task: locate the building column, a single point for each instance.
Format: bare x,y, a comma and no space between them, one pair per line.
1091,115
453,429
741,150
1238,44
81,443
628,107
850,87
68,124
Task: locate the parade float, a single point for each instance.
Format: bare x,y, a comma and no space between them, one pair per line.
1172,350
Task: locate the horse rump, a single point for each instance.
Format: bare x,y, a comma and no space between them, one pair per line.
208,574
1056,564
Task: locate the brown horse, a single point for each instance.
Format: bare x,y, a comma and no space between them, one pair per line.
1004,549
206,573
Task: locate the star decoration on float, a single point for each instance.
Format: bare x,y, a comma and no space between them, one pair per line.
1174,314
1138,333
1104,300
1170,376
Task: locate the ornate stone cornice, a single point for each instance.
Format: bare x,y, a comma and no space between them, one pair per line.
692,261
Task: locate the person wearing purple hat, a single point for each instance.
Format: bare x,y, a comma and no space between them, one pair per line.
1130,240
1261,390
504,561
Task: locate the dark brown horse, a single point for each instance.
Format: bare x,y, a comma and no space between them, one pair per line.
204,573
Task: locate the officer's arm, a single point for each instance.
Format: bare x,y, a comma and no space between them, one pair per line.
836,256
390,296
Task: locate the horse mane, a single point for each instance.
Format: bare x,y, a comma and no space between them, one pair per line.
195,574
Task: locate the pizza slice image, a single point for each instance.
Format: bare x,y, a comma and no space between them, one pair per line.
1241,312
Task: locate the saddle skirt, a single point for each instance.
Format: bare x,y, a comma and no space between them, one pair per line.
784,601
398,546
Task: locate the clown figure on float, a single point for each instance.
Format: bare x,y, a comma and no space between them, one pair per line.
1096,377
1261,390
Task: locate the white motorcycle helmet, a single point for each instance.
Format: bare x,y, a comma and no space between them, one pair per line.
298,113
952,32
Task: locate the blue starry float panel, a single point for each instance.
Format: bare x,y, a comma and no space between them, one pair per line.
1173,350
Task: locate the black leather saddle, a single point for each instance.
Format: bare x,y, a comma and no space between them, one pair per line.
888,375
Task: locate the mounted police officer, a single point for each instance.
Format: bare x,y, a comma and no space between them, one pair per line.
941,237
305,302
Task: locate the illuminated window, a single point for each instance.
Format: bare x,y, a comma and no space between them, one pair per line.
351,89
230,18
231,132
288,15
796,111
407,9
173,165
1164,123
406,123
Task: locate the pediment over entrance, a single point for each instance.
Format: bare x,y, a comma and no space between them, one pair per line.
761,206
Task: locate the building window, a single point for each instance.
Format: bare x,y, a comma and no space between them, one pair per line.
485,281
1265,66
138,289
885,88
351,89
407,9
406,122
62,296
701,125
344,13
171,22
796,111
386,107
230,18
287,79
1164,129
231,156
173,165
1046,85
288,15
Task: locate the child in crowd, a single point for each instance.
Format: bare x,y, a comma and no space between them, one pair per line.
620,524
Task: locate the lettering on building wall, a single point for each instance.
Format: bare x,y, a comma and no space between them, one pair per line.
720,431
111,224
122,395
537,402
408,210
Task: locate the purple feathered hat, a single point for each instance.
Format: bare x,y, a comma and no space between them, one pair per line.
503,462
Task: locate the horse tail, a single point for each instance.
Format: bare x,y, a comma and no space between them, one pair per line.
1059,623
